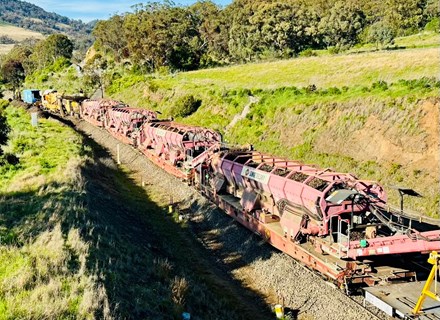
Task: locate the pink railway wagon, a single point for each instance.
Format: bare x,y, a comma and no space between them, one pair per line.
125,123
332,222
177,147
94,111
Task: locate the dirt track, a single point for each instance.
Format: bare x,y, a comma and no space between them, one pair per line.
238,252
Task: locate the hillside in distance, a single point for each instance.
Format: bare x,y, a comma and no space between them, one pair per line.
10,35
29,16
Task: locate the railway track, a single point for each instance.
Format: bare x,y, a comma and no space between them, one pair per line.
371,310
374,313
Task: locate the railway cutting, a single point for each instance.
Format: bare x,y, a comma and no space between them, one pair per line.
334,223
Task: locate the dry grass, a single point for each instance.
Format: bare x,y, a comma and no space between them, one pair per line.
179,288
36,281
5,48
19,34
163,268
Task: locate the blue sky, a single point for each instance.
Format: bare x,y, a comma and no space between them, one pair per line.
96,9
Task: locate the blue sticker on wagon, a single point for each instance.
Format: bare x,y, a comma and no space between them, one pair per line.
255,174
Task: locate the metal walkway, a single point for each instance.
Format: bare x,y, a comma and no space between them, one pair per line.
398,300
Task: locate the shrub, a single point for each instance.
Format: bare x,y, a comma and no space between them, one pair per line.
186,106
11,159
422,83
381,33
42,78
308,53
6,40
310,88
152,87
179,287
3,104
334,50
244,92
334,90
381,85
433,25
163,268
394,168
60,64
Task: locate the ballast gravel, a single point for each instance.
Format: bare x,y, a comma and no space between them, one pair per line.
276,276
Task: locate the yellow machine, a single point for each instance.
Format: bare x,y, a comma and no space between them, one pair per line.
72,104
434,259
51,101
56,102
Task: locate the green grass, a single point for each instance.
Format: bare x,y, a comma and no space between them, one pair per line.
327,71
44,152
426,39
422,40
42,263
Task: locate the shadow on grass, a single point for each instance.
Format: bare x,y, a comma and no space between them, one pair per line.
150,267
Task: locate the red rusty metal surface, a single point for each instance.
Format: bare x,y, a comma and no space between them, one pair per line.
94,111
127,122
176,143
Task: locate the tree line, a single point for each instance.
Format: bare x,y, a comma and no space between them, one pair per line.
33,55
205,34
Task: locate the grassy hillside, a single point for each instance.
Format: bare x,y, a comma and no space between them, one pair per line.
424,39
16,34
369,114
43,262
79,240
27,15
326,71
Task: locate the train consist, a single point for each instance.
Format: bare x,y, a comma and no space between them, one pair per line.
332,222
